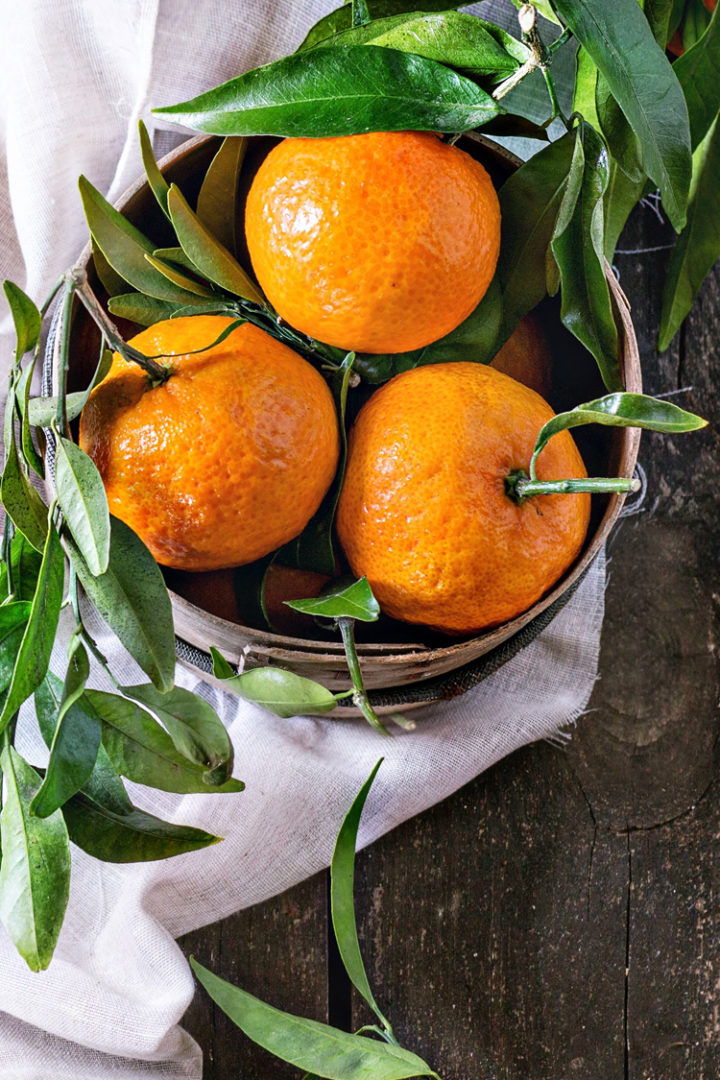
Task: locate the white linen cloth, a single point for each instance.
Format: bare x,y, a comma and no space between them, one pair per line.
75,76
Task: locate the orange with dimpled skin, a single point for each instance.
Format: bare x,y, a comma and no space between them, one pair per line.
424,512
375,243
226,460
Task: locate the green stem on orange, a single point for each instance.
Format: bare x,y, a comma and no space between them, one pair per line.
359,697
520,487
158,373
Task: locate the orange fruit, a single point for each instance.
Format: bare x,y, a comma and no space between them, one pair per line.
423,510
526,356
376,243
215,592
227,460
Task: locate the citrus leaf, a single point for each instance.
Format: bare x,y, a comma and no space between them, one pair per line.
13,620
621,410
27,446
529,203
75,742
217,205
621,197
143,310
81,495
640,78
341,18
33,655
619,136
140,750
42,410
698,246
129,836
658,14
195,728
307,1044
175,255
354,601
578,247
339,91
156,181
125,247
25,564
697,72
281,692
586,79
111,282
463,42
212,260
26,318
178,278
132,598
342,902
35,868
21,501
314,548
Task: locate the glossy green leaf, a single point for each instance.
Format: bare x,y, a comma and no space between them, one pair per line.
21,501
212,260
307,1044
143,310
42,410
218,202
178,277
35,868
25,564
658,14
694,22
586,79
132,598
193,725
463,42
125,247
698,72
474,340
143,752
281,692
619,136
75,742
698,246
578,247
618,38
33,655
175,255
26,318
335,22
620,410
111,282
529,201
13,620
354,601
81,495
314,548
621,197
336,91
157,182
128,836
27,446
342,897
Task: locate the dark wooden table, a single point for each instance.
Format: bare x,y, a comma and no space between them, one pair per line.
559,917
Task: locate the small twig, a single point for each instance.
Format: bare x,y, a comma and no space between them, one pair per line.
158,373
527,17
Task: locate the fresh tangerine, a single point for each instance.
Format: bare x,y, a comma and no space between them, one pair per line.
226,460
424,511
375,243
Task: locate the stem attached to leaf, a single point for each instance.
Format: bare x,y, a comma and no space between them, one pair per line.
520,487
158,373
360,698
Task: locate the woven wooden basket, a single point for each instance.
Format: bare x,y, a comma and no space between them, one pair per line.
405,667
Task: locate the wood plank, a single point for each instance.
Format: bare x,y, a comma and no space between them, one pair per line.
495,928
278,951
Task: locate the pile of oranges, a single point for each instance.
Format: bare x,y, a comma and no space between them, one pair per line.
378,243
